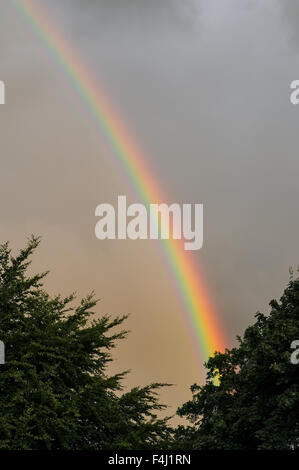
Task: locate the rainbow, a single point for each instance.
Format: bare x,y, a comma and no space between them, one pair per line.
198,310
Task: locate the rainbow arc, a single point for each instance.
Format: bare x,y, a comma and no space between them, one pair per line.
197,307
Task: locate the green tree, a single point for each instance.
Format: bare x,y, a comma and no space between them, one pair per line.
254,403
54,389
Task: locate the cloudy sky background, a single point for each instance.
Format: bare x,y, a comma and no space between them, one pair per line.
204,87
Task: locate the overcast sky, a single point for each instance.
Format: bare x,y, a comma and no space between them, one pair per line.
204,87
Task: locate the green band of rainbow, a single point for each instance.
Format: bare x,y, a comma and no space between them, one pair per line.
197,308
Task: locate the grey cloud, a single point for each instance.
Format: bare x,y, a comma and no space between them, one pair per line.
126,17
290,19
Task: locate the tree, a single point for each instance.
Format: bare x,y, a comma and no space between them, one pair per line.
54,389
251,396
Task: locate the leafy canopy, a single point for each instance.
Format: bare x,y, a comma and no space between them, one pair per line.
256,402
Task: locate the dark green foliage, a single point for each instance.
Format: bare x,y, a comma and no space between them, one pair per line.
256,402
54,389
55,392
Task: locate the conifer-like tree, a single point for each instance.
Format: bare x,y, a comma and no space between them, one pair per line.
55,392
